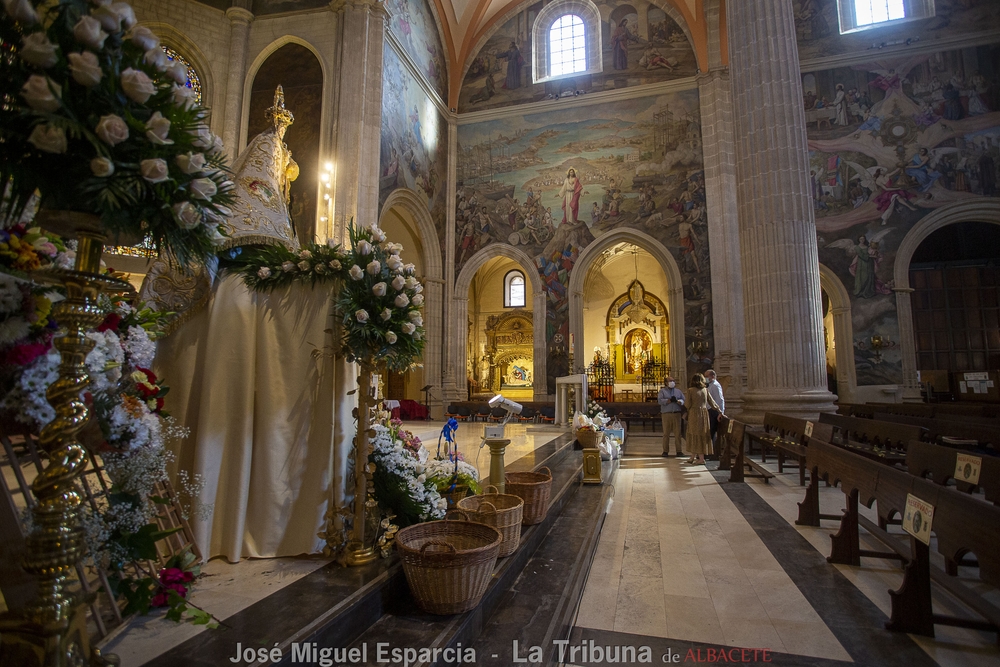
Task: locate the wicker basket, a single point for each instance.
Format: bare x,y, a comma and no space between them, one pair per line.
453,497
588,439
534,488
448,564
503,511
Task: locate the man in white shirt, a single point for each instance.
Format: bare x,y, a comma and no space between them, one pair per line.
715,391
671,400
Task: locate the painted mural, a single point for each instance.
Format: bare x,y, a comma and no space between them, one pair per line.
890,142
817,25
414,150
413,25
551,183
262,7
641,44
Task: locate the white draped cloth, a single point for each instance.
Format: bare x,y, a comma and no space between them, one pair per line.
260,406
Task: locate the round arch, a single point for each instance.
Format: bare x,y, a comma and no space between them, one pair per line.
258,61
843,333
675,294
415,205
983,209
538,312
180,42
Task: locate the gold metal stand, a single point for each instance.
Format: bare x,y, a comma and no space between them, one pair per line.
592,466
497,448
359,550
51,631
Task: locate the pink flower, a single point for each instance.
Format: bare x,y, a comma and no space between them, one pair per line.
22,355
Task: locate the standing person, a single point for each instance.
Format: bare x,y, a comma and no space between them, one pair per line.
570,195
699,438
715,391
671,400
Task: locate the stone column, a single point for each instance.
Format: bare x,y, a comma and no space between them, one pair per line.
540,384
722,212
907,347
786,369
356,141
841,341
433,326
454,383
239,37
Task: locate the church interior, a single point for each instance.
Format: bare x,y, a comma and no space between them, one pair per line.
638,286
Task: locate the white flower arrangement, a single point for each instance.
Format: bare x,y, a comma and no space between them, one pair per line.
401,479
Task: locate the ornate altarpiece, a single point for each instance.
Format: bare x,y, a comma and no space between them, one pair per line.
638,333
510,352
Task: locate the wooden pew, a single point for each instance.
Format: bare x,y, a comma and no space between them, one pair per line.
950,427
924,458
787,436
961,523
887,435
731,451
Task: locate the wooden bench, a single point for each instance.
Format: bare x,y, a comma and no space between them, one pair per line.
961,523
924,458
950,430
887,435
732,456
630,413
984,413
787,436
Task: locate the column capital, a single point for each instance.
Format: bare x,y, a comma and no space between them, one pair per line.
239,16
371,6
712,75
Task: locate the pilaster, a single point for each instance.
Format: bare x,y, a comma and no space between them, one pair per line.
454,383
239,37
907,347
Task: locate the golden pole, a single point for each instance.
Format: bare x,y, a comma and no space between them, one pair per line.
51,631
358,551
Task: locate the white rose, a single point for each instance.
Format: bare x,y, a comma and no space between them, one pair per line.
402,301
102,167
386,315
111,129
214,236
288,267
202,137
37,50
109,18
264,273
125,14
203,188
48,138
154,170
320,268
418,300
190,163
137,86
42,93
409,269
364,248
158,129
414,316
378,289
419,321
418,288
217,145
21,11
394,263
303,265
183,96
390,337
356,272
361,316
221,214
417,336
305,254
410,282
178,72
88,32
187,214
377,234
394,248
335,264
408,328
373,267
156,57
85,68
398,283
144,38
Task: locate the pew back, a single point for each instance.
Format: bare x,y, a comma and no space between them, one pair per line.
884,434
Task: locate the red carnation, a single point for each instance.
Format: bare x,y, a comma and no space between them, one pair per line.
150,375
24,354
110,323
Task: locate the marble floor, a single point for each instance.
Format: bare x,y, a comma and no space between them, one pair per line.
687,559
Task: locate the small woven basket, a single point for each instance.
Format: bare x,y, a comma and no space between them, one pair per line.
448,564
588,439
503,511
534,488
453,497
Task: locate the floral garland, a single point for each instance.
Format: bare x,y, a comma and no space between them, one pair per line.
401,484
96,119
379,298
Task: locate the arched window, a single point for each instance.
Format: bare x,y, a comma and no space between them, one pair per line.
864,14
514,293
194,81
566,40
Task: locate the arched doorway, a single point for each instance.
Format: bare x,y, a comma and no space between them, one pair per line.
978,210
297,70
838,334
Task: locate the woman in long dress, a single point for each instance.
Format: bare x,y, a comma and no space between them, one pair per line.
698,401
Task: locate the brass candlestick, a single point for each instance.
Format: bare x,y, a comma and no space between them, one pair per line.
358,551
51,630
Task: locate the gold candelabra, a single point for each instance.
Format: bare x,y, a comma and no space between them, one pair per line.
359,550
51,631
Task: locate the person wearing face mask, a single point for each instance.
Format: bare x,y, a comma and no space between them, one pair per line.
671,400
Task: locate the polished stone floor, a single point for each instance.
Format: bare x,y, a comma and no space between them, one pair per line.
686,559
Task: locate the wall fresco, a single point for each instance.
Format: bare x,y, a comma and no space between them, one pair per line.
891,141
413,25
414,148
640,45
551,183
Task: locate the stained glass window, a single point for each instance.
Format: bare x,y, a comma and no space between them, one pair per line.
194,81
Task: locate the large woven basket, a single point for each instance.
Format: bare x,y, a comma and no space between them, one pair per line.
448,563
503,511
534,488
588,439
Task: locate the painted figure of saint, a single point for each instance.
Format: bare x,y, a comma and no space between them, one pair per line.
514,64
619,45
920,170
863,268
570,195
840,106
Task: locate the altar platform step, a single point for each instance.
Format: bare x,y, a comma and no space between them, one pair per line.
337,607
